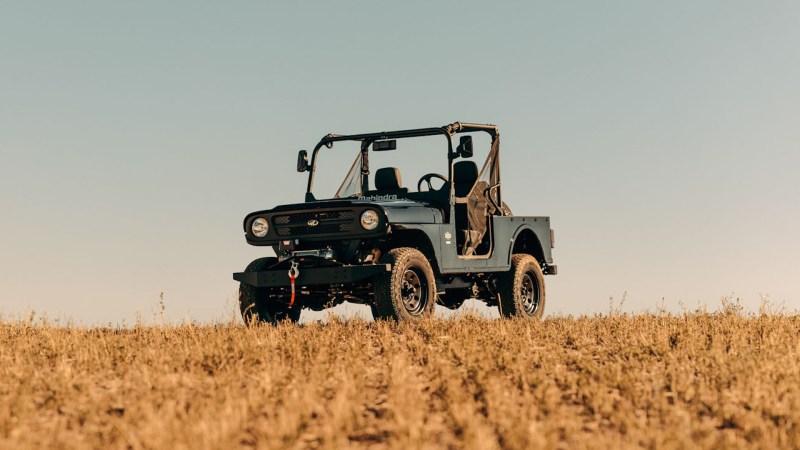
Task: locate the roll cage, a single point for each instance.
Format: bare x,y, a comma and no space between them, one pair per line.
366,139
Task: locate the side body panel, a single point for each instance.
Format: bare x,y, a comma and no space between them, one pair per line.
505,231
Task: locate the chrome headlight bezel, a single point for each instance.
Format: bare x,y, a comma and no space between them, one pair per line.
370,219
259,227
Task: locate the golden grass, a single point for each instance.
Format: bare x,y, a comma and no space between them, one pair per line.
707,380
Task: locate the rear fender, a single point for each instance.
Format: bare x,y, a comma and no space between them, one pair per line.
526,241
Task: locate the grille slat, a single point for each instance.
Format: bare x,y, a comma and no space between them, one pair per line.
329,222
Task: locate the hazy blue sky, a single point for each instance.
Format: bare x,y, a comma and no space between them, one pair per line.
662,138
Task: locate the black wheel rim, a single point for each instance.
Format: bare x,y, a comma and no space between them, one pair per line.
529,293
414,291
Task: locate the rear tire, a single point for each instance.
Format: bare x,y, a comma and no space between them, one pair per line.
408,292
255,303
521,289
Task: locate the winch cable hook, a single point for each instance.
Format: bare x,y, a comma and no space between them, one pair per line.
294,271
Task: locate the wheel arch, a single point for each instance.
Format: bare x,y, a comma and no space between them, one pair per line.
526,241
415,238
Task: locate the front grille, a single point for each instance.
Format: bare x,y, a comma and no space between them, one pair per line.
328,222
322,216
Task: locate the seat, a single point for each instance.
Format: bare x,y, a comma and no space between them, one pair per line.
465,174
471,206
388,182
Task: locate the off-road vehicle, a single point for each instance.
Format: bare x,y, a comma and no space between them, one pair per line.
397,250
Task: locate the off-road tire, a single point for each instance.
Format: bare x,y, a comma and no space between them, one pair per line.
408,292
254,304
521,289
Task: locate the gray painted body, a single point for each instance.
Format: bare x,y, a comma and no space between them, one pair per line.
504,231
404,211
405,214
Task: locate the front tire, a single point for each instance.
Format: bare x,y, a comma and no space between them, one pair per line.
255,303
521,289
408,292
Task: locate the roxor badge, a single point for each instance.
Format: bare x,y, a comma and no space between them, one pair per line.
313,222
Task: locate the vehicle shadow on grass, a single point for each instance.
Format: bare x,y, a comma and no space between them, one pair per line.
347,311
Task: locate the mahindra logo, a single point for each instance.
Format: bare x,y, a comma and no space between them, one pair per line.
378,197
313,222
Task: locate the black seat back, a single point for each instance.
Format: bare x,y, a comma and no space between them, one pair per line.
388,182
388,179
465,174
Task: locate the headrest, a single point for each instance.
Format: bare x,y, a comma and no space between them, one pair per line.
465,172
388,178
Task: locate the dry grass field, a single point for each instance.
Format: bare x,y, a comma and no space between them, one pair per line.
655,381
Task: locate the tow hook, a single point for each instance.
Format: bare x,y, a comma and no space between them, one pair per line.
294,271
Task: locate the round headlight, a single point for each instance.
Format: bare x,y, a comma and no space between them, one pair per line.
369,220
260,227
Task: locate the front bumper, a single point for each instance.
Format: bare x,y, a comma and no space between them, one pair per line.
312,276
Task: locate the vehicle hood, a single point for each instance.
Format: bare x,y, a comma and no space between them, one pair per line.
397,210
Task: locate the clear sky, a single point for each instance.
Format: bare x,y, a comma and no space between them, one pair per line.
661,137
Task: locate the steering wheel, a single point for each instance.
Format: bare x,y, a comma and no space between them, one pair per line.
427,178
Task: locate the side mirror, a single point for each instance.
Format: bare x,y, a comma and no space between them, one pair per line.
464,148
302,161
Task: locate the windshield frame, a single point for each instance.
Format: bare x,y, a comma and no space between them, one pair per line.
448,131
